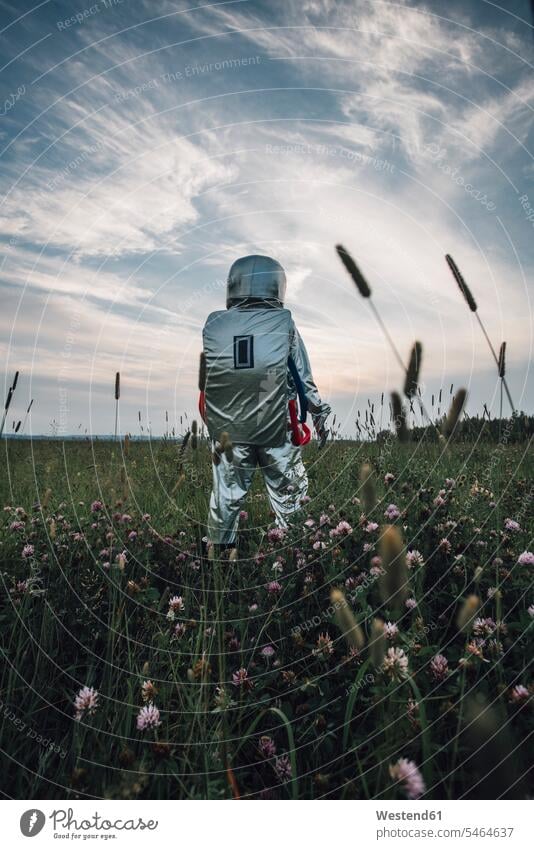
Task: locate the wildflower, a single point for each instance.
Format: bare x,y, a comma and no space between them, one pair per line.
408,774
483,627
96,506
343,528
371,527
318,546
267,652
282,767
519,694
28,551
395,664
179,630
121,560
439,501
531,611
391,630
475,648
444,546
266,747
391,512
148,717
389,477
16,526
526,559
176,605
148,691
410,603
274,587
439,667
309,523
512,526
325,646
276,534
450,483
241,679
243,515
414,559
86,702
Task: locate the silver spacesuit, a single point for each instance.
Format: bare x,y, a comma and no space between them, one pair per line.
255,365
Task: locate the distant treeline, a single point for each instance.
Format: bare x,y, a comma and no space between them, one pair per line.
518,428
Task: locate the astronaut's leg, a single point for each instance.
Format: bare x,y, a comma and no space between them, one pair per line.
231,483
285,478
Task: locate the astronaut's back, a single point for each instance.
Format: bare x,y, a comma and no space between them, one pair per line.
246,389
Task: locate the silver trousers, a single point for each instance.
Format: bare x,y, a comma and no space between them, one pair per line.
284,475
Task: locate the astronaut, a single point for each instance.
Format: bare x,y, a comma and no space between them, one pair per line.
254,366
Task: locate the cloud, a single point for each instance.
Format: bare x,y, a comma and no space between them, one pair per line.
137,186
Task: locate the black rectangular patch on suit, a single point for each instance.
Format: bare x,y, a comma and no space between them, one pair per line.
243,351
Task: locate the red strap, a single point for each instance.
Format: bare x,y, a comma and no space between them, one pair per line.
300,432
202,405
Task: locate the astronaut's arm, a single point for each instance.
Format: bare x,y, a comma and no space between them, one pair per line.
318,408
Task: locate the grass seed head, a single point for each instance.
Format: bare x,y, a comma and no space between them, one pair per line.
377,644
393,581
414,366
399,417
346,621
226,446
498,763
354,271
216,454
368,491
464,288
502,360
454,413
194,435
467,613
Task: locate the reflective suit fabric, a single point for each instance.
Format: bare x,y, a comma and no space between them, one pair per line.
258,283
284,475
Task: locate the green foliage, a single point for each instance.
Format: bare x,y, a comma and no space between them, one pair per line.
95,542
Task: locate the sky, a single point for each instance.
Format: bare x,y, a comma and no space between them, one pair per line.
145,145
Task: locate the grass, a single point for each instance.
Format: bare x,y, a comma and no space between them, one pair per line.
85,602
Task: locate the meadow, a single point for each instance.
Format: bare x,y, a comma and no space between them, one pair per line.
381,648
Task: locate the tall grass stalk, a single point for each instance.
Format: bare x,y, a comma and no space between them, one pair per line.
472,304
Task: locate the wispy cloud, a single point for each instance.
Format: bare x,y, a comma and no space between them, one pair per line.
147,156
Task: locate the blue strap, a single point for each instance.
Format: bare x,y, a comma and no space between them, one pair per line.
303,401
